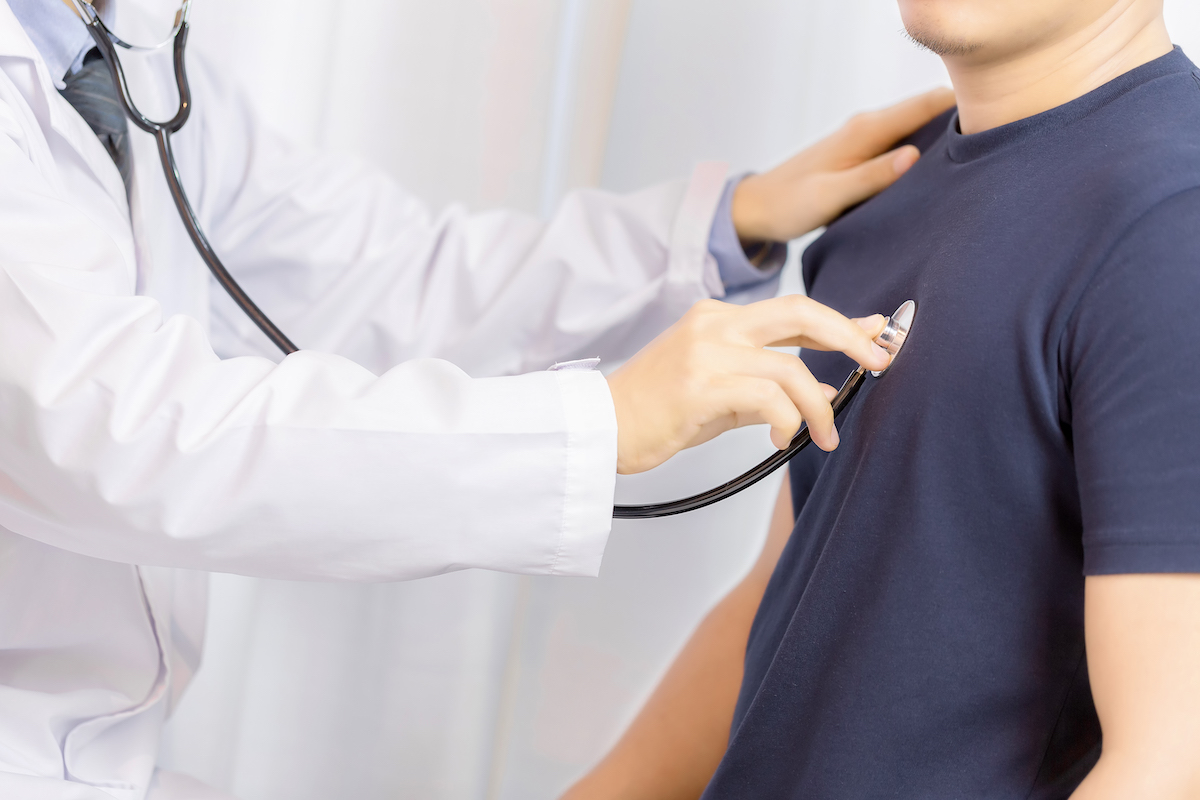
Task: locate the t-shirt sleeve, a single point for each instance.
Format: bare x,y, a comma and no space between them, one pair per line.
1131,357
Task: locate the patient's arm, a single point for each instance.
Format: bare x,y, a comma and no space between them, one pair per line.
1143,641
673,747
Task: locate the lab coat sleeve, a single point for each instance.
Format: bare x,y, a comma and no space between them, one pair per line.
123,436
347,261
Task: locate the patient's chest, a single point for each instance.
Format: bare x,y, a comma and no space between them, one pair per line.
963,439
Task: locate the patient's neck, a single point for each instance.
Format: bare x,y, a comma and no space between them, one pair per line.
995,91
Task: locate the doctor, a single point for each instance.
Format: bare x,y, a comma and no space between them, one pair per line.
149,434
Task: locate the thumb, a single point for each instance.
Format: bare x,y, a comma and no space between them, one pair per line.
871,177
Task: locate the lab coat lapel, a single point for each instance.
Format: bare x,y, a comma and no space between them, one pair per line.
59,116
14,42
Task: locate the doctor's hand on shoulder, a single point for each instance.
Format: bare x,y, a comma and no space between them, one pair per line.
711,371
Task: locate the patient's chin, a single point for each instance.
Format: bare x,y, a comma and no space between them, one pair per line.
941,42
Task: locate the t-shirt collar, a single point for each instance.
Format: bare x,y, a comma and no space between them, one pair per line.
969,147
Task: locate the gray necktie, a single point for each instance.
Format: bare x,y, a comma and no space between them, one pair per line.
91,91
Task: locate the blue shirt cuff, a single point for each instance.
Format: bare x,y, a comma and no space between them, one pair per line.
737,273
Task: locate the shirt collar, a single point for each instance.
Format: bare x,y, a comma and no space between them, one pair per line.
57,33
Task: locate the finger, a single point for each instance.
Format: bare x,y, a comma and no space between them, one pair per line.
847,188
754,400
798,321
873,132
802,389
872,325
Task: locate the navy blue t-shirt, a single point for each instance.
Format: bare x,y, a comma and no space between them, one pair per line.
922,636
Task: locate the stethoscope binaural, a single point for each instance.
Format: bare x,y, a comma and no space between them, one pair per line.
892,338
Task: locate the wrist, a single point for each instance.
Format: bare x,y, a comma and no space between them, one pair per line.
749,211
625,459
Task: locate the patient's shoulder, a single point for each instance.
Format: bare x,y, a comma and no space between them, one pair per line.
1155,130
1131,154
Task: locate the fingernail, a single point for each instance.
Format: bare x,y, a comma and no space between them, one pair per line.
834,438
870,323
882,353
905,159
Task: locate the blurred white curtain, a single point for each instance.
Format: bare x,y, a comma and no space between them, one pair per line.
478,685
319,691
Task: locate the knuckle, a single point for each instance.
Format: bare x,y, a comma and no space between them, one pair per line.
801,302
823,416
801,308
764,395
699,317
861,123
796,378
790,416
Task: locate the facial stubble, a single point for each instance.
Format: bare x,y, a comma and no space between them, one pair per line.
939,43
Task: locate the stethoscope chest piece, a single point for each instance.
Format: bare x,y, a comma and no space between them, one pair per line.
896,333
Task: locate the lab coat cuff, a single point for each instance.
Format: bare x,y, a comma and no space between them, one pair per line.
591,472
691,263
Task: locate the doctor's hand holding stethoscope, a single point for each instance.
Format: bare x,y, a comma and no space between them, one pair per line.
147,422
709,373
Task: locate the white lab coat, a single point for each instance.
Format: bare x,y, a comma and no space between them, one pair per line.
144,421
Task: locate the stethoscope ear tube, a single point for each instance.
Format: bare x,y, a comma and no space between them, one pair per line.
746,480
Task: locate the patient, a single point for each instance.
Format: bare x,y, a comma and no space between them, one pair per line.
1022,484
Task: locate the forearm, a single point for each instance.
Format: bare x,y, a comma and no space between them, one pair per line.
1116,778
1143,651
676,742
126,439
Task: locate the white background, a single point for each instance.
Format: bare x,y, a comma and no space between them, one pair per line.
477,685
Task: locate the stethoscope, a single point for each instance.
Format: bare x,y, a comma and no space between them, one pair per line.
892,339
